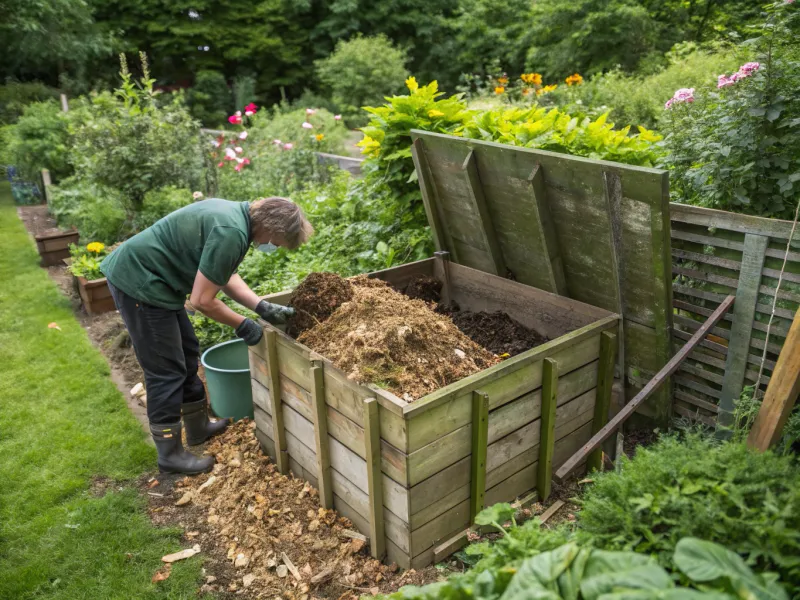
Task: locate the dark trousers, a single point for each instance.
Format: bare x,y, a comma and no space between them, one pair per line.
168,351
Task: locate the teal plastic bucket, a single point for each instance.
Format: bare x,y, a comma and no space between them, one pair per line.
227,369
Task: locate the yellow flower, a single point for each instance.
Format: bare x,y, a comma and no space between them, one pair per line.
96,247
435,113
531,78
499,89
319,136
527,91
412,84
502,80
546,89
574,79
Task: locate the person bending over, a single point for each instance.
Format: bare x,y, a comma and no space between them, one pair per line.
193,251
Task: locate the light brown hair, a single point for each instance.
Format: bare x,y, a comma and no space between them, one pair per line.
282,218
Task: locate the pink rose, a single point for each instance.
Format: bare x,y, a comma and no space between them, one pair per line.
288,146
238,150
235,119
277,142
310,111
243,135
337,117
220,164
748,69
250,109
307,125
230,153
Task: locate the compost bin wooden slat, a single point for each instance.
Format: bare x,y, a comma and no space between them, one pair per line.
697,386
686,397
708,217
693,413
425,499
449,448
547,429
487,230
605,382
702,373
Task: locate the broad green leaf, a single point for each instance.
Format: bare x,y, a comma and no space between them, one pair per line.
706,561
498,513
652,577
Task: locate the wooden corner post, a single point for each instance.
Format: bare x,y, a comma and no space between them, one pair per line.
281,453
320,411
782,392
372,442
480,441
547,437
605,385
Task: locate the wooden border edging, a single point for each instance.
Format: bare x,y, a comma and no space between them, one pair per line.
654,384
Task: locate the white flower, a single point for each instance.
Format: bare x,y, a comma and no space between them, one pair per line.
248,113
337,117
310,111
307,125
277,142
197,195
238,113
229,152
215,143
238,149
239,160
243,135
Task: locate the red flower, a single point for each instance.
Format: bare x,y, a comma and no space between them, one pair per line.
250,109
235,119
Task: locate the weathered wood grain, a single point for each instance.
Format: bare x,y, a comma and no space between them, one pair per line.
547,440
605,382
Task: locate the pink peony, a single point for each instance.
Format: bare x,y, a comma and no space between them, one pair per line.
724,81
288,146
307,125
681,95
235,119
669,103
230,153
310,111
243,135
748,69
337,117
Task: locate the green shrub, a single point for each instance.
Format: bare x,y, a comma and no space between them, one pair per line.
128,143
86,260
210,99
360,72
697,487
639,100
15,96
738,148
159,203
40,140
97,212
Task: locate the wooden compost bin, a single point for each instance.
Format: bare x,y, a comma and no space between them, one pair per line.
411,476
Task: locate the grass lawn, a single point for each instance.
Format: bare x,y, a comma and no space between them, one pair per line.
63,423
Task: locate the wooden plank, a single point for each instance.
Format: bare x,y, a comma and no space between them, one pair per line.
715,297
429,200
320,412
708,259
681,395
732,283
372,439
694,414
720,219
282,457
652,385
475,189
400,275
605,383
543,222
480,439
547,435
449,448
776,329
781,394
702,373
706,240
662,294
698,387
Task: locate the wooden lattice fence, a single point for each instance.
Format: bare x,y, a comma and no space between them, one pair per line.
716,253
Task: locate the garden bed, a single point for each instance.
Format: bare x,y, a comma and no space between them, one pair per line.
51,242
412,474
95,293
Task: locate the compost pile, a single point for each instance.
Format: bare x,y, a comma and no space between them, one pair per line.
271,531
497,332
381,336
315,300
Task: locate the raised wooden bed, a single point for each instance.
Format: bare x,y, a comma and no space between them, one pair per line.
95,295
412,475
54,246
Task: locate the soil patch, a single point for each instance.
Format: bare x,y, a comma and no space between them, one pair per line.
497,332
425,288
37,220
385,338
315,299
248,519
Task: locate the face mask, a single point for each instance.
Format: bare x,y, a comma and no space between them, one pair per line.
267,248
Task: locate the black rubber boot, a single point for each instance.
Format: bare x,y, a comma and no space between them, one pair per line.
172,456
198,426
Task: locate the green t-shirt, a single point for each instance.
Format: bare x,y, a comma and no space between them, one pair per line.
158,266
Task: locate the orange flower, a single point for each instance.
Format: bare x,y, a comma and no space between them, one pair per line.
531,78
527,91
499,89
574,79
546,89
319,136
502,80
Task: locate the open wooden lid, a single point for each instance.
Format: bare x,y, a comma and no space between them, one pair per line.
592,230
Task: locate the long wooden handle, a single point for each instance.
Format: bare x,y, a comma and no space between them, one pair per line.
652,385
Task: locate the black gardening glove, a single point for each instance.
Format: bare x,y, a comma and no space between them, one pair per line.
274,313
250,332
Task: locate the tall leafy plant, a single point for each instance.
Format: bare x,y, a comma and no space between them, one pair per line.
738,147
